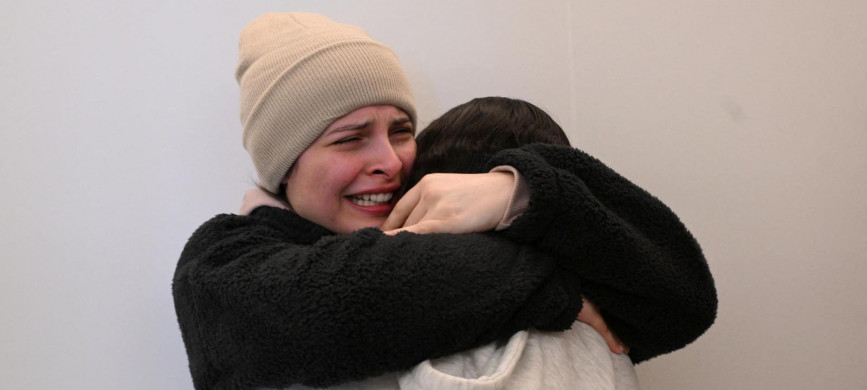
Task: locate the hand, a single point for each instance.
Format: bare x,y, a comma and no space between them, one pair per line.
256,197
453,203
590,315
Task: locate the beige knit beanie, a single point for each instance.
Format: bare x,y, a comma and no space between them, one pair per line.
300,72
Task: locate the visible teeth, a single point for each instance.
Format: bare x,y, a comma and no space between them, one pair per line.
372,199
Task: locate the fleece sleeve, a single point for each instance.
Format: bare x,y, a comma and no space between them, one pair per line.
257,308
635,258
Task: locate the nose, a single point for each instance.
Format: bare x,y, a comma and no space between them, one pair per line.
384,159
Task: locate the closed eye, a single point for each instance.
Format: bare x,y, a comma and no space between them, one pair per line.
346,140
403,130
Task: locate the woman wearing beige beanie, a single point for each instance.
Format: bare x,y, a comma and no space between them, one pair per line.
276,298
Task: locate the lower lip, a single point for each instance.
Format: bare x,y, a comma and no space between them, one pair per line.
380,209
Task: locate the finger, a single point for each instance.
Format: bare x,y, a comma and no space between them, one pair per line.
590,315
393,231
402,210
424,227
613,344
623,346
418,213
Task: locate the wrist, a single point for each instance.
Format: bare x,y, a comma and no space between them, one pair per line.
519,199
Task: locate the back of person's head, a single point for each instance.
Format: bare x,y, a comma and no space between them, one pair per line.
464,138
298,73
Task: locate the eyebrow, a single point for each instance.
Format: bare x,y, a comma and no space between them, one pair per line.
400,121
353,126
357,126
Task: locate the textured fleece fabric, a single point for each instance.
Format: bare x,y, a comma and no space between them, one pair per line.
271,300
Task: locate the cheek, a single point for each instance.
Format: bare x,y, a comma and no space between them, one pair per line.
317,183
304,184
293,189
332,178
341,170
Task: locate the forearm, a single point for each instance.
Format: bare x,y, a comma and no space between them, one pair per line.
639,263
262,311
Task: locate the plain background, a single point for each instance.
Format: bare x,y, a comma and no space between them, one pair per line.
120,135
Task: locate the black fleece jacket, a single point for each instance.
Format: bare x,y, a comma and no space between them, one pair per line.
635,258
272,300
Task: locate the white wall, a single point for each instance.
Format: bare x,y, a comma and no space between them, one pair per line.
120,135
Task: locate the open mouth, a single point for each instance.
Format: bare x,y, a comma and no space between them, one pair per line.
371,199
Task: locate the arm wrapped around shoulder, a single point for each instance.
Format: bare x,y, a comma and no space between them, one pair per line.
274,300
635,258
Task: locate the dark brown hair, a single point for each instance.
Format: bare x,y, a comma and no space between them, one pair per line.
464,138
